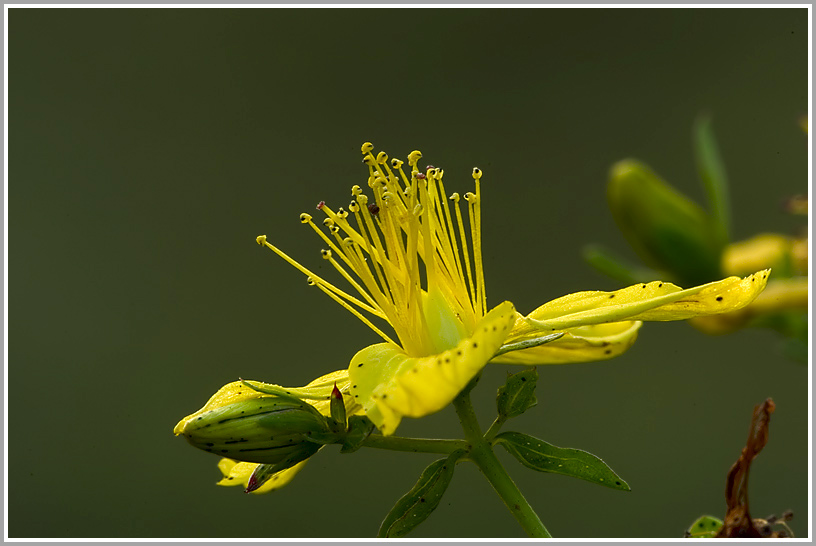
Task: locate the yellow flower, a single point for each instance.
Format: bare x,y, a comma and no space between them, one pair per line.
414,264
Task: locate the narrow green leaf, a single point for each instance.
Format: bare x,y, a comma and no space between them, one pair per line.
712,173
360,428
704,527
543,457
616,268
517,395
421,500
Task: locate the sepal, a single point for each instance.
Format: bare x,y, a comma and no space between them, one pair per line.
517,395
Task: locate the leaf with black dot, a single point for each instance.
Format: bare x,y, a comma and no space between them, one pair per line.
539,455
421,500
517,395
704,527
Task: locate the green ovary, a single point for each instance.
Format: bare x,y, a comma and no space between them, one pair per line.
445,326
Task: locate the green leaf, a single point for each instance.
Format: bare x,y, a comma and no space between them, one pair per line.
421,500
712,173
360,428
617,268
704,527
543,457
518,394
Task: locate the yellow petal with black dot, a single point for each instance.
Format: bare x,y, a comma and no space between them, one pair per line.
580,344
238,473
389,384
655,301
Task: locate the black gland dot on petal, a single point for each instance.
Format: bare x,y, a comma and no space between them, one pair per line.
719,298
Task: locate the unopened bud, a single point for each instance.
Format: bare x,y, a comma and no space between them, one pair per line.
267,429
663,226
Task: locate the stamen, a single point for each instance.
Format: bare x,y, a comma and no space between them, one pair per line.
465,256
356,314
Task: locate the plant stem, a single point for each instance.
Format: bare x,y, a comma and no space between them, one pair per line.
494,428
482,454
414,445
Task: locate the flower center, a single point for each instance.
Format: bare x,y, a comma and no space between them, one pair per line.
403,256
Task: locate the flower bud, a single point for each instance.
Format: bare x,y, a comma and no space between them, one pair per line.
667,230
267,429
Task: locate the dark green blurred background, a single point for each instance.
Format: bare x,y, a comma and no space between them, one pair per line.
148,149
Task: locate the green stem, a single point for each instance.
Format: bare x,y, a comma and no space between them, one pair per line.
494,428
482,454
414,445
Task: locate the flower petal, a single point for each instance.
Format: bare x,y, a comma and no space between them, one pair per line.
238,473
658,301
781,295
389,384
580,344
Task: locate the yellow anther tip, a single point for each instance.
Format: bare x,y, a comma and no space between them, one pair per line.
366,147
396,163
414,157
382,157
469,196
261,239
325,253
305,218
356,190
477,173
454,196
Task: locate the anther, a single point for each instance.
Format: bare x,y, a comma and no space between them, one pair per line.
429,167
373,208
414,157
369,160
418,209
310,281
305,218
348,242
328,222
454,197
334,229
477,173
469,196
366,147
418,175
321,205
261,239
362,199
396,163
382,157
354,207
325,253
341,213
356,190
